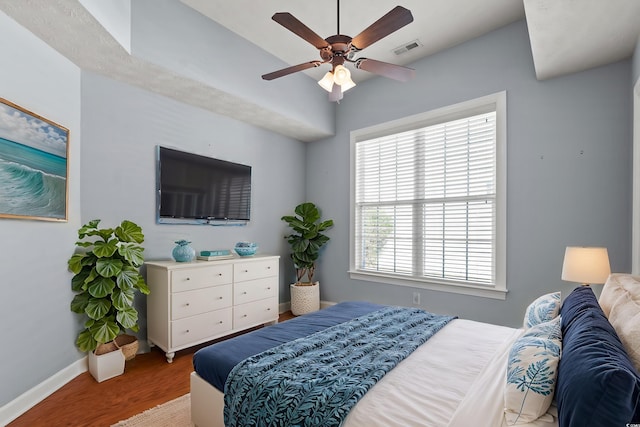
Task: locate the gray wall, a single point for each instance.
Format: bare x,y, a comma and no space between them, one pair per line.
636,63
37,329
568,177
122,125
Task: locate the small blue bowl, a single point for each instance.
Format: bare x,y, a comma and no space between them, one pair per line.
247,249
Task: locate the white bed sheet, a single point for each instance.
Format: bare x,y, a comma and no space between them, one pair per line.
455,379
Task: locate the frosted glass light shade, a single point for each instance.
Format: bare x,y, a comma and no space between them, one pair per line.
586,265
342,77
327,81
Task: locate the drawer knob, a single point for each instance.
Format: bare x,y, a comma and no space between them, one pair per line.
244,315
268,288
244,293
269,268
187,304
219,274
246,271
219,297
188,278
221,322
187,331
269,309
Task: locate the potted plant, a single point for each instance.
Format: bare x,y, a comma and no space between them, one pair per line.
106,279
306,241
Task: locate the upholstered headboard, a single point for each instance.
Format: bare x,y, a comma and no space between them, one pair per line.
598,385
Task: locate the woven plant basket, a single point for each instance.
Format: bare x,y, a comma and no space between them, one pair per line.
128,344
105,348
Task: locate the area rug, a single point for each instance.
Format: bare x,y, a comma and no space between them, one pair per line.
175,413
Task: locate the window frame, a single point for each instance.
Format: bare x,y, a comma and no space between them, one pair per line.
497,102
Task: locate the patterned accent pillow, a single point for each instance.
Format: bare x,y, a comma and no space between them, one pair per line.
543,309
532,372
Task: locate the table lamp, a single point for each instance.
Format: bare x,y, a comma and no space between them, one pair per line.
586,265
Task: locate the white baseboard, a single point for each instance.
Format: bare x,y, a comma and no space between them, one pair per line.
37,394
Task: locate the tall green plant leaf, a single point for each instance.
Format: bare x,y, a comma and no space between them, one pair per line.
97,308
105,249
75,263
142,286
129,232
78,281
101,287
104,330
85,341
122,299
127,317
109,267
127,278
79,302
132,253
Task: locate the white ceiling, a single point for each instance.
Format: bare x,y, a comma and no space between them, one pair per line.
566,36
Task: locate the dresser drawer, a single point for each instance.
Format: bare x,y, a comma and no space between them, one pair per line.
197,328
254,313
243,271
254,290
202,277
190,303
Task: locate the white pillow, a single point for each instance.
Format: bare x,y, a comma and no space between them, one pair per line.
620,302
532,371
543,309
612,290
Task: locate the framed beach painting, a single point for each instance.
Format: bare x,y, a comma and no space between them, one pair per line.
33,165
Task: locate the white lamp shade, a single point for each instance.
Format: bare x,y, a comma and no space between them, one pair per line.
586,265
327,81
342,77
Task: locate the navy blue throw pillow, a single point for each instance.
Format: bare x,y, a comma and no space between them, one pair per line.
598,385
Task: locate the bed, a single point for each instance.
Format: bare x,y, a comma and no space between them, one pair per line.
566,366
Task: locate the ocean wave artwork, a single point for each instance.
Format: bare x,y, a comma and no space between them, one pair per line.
33,165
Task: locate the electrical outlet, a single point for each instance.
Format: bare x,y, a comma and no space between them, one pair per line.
416,298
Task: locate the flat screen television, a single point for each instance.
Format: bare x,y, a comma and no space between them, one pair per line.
196,189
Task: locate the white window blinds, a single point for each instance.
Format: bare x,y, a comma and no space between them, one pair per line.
425,202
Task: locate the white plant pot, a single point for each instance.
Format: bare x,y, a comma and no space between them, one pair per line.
305,298
106,365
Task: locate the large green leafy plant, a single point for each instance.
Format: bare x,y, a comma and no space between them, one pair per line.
307,239
106,279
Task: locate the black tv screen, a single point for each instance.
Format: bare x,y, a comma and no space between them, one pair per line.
200,189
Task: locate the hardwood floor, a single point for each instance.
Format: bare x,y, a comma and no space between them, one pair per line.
148,381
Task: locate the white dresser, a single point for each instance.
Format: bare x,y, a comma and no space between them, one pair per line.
195,302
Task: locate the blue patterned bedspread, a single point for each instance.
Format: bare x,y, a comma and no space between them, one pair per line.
315,381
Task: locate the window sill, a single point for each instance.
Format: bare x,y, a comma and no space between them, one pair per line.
455,288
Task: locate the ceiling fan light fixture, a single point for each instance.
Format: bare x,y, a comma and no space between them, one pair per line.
347,85
327,81
341,75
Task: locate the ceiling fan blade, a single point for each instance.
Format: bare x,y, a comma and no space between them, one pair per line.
291,70
385,69
292,24
397,18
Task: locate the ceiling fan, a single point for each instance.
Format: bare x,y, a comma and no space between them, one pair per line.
340,48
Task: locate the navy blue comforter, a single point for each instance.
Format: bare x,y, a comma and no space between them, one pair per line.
214,362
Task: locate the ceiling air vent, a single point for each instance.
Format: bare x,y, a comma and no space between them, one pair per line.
407,47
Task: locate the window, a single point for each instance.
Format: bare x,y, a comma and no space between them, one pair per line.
428,200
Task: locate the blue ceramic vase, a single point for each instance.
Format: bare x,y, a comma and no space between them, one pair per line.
183,252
